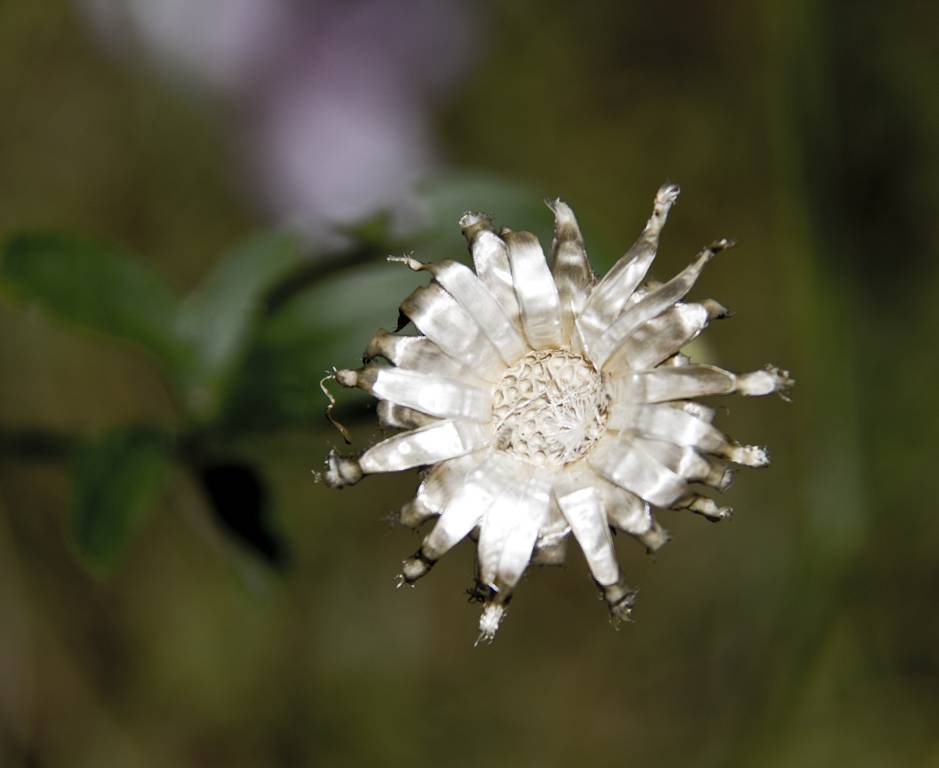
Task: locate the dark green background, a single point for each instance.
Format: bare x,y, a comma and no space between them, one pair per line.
804,632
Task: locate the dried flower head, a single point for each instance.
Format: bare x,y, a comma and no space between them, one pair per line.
544,402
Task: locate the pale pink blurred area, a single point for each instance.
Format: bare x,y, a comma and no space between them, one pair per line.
219,45
327,152
326,105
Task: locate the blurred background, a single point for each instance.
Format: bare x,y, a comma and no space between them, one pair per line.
196,199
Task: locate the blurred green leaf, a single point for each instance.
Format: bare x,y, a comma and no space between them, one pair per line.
448,196
198,341
329,324
116,479
216,318
93,287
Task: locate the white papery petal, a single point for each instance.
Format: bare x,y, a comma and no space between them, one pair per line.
418,353
555,527
393,416
535,290
601,345
433,395
463,512
658,339
517,551
443,480
662,384
666,423
683,428
584,507
571,269
676,426
681,459
627,465
427,445
721,475
459,281
551,546
625,511
677,361
513,519
441,319
440,484
529,515
490,257
702,505
610,295
551,552
493,532
680,383
698,410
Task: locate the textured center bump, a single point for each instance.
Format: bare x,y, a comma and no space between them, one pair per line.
550,407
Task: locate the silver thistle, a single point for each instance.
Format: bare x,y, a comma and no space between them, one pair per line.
544,402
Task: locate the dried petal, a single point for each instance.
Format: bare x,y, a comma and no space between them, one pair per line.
491,259
601,346
433,395
535,289
441,319
610,295
545,404
627,465
583,507
459,281
572,272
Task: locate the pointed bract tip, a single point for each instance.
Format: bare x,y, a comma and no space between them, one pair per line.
566,228
707,508
408,260
724,244
472,223
620,599
755,456
715,310
764,382
783,379
561,210
489,622
346,377
341,470
655,538
726,479
415,567
413,514
668,194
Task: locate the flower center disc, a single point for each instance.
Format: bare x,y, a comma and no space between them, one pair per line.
550,408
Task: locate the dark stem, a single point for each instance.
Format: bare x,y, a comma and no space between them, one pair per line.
363,252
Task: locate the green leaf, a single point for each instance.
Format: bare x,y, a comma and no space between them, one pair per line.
93,287
448,196
217,317
329,324
116,479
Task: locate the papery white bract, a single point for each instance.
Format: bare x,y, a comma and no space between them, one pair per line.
546,403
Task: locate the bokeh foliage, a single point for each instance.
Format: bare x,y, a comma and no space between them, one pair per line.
156,378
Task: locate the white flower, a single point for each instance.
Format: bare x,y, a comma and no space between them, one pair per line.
545,403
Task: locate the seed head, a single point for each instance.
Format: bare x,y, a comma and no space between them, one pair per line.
547,404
